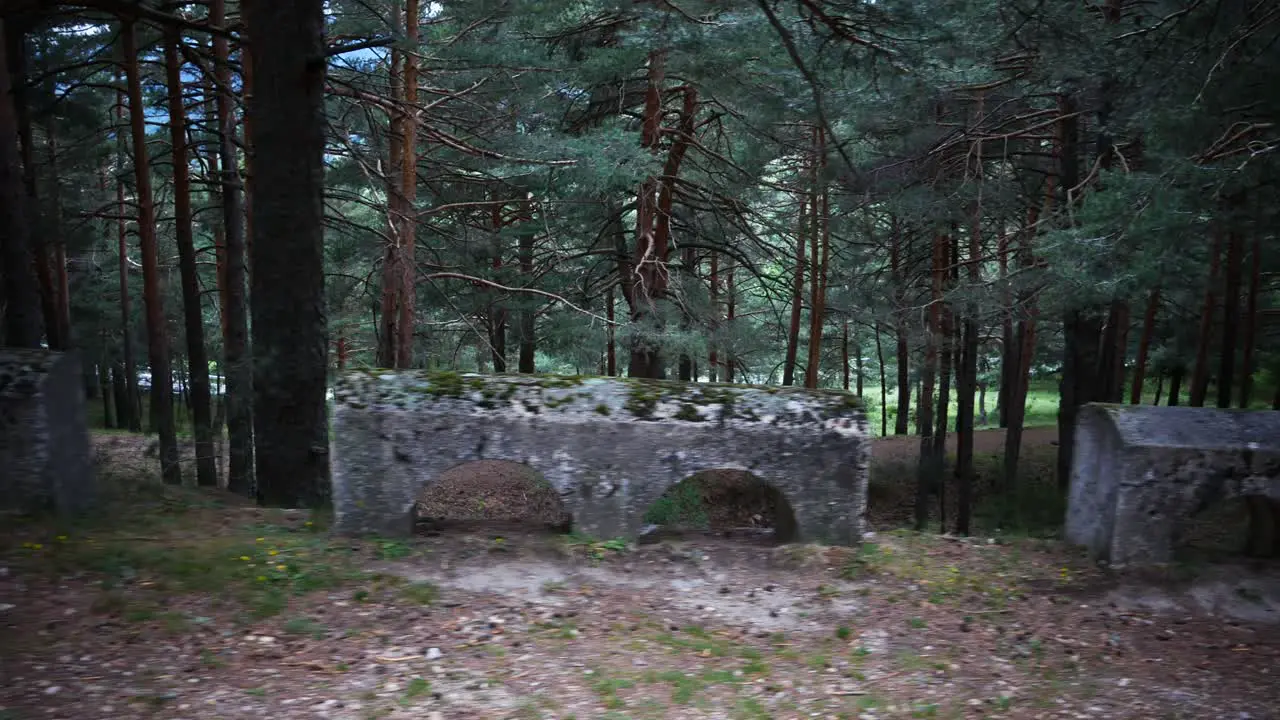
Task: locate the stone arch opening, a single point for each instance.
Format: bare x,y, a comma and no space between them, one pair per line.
489,495
1234,527
724,502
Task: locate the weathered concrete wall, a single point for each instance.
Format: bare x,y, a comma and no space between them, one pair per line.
609,447
1141,472
45,459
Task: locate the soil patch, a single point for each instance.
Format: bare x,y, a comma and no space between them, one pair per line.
489,493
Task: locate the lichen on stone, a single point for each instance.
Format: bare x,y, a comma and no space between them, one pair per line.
576,398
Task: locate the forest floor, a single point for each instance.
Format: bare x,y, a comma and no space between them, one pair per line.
193,604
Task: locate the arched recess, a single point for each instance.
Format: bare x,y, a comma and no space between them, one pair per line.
1232,527
727,502
488,494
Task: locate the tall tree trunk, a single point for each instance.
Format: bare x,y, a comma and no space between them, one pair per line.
16,81
903,354
497,310
1251,323
1175,384
713,330
1200,373
53,228
1230,317
797,299
611,351
820,256
108,397
1144,346
152,296
967,378
1159,388
197,358
128,406
23,307
1008,341
844,355
947,344
237,357
528,319
1115,337
1082,327
884,385
688,370
929,471
409,187
391,337
290,337
731,304
647,269
1023,351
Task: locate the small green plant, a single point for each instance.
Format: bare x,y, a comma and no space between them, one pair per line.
417,687
682,505
916,623
843,632
392,550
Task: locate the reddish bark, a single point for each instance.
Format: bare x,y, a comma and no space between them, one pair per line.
645,275
152,297
408,188
193,315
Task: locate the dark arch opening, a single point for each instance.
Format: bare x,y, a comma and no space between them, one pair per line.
1232,528
726,503
490,495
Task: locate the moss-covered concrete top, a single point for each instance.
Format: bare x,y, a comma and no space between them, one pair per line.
574,398
22,371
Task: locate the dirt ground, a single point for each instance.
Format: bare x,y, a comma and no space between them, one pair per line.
194,605
907,447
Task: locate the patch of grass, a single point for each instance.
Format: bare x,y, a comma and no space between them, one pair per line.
682,505
843,632
305,626
607,687
420,593
417,687
594,548
392,550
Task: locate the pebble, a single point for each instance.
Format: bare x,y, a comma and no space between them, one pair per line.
434,654
52,690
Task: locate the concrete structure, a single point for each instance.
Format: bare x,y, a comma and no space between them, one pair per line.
610,447
45,458
1140,472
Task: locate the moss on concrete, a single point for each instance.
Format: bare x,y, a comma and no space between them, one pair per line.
618,398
